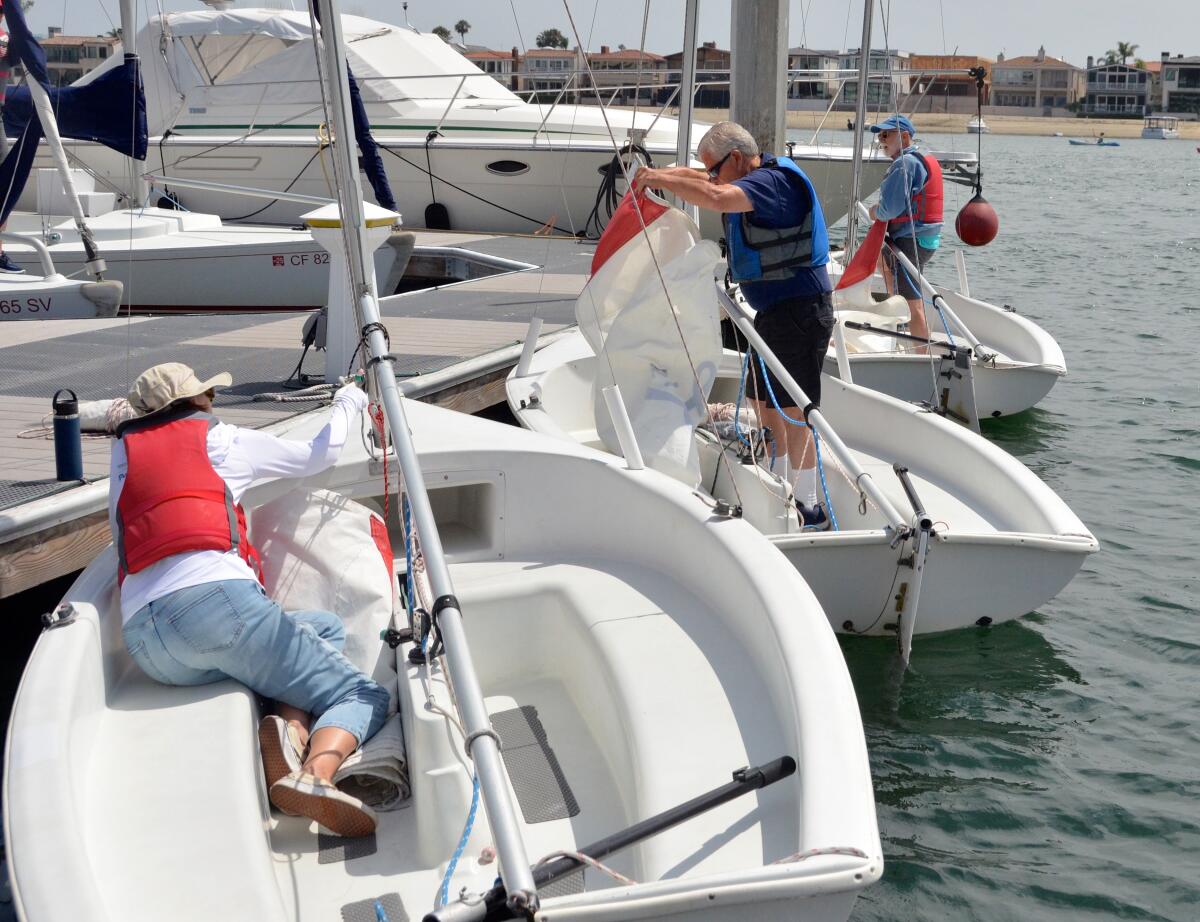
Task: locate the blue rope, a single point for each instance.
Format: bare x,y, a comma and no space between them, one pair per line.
824,486
737,408
925,300
816,440
444,893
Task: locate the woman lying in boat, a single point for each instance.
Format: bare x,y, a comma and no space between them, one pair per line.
193,608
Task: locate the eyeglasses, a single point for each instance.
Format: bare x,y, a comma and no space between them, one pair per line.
716,170
884,135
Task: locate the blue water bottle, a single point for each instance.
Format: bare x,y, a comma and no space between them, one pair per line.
68,445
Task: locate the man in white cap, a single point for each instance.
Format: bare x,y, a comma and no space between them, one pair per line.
192,605
910,201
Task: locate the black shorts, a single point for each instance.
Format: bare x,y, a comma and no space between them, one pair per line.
918,255
797,330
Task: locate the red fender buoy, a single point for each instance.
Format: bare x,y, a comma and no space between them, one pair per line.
977,223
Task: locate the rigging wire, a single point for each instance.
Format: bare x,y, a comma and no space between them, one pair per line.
653,255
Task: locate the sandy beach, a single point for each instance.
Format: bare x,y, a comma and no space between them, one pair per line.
942,123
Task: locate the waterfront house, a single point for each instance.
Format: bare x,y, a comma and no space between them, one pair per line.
712,66
69,57
942,92
1039,82
1116,89
1154,96
503,65
1180,84
544,72
627,74
889,75
818,77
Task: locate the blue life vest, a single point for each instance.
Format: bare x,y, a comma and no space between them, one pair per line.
763,254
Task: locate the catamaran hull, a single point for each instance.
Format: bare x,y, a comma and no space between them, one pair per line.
551,184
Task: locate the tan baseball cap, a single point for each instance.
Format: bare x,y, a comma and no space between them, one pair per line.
158,387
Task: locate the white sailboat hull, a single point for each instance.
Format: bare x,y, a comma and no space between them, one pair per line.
589,603
1005,542
558,188
179,262
1027,365
55,297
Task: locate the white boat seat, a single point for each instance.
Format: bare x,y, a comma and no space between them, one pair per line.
194,798
893,306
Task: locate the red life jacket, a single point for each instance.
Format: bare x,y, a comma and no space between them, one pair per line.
926,204
173,500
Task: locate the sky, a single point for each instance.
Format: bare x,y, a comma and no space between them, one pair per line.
1070,29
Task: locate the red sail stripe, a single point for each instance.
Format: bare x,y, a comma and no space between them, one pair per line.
624,225
866,258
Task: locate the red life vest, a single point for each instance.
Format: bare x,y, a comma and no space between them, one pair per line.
926,204
173,500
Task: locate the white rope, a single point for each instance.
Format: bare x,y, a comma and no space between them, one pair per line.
590,862
829,850
304,395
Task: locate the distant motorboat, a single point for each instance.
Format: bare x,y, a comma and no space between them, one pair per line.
1160,128
977,126
1099,142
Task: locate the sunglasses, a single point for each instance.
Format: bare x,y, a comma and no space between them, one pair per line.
884,135
716,170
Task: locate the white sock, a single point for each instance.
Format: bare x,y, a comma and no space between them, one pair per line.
806,486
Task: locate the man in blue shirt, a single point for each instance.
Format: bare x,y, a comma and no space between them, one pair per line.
910,200
777,248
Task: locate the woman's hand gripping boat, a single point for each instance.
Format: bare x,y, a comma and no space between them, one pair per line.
935,527
633,649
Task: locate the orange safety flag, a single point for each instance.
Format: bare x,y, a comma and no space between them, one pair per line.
866,258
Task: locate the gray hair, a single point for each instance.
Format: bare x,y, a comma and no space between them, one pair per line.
724,137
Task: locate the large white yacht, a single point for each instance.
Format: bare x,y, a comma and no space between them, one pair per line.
232,97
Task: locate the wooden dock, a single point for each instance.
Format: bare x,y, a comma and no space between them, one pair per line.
454,346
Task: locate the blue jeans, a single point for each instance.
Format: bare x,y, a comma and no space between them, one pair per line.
230,629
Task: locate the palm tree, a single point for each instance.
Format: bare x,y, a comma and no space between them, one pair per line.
551,38
442,32
462,27
1124,51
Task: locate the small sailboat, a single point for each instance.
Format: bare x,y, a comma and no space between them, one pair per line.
1011,362
577,621
1017,363
901,481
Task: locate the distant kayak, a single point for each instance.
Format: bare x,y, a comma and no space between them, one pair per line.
1079,143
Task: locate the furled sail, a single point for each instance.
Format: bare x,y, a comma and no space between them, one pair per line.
657,336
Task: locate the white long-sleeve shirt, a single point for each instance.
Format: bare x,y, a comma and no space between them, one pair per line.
240,457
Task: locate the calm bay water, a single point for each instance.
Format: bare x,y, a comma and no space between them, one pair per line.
1050,768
